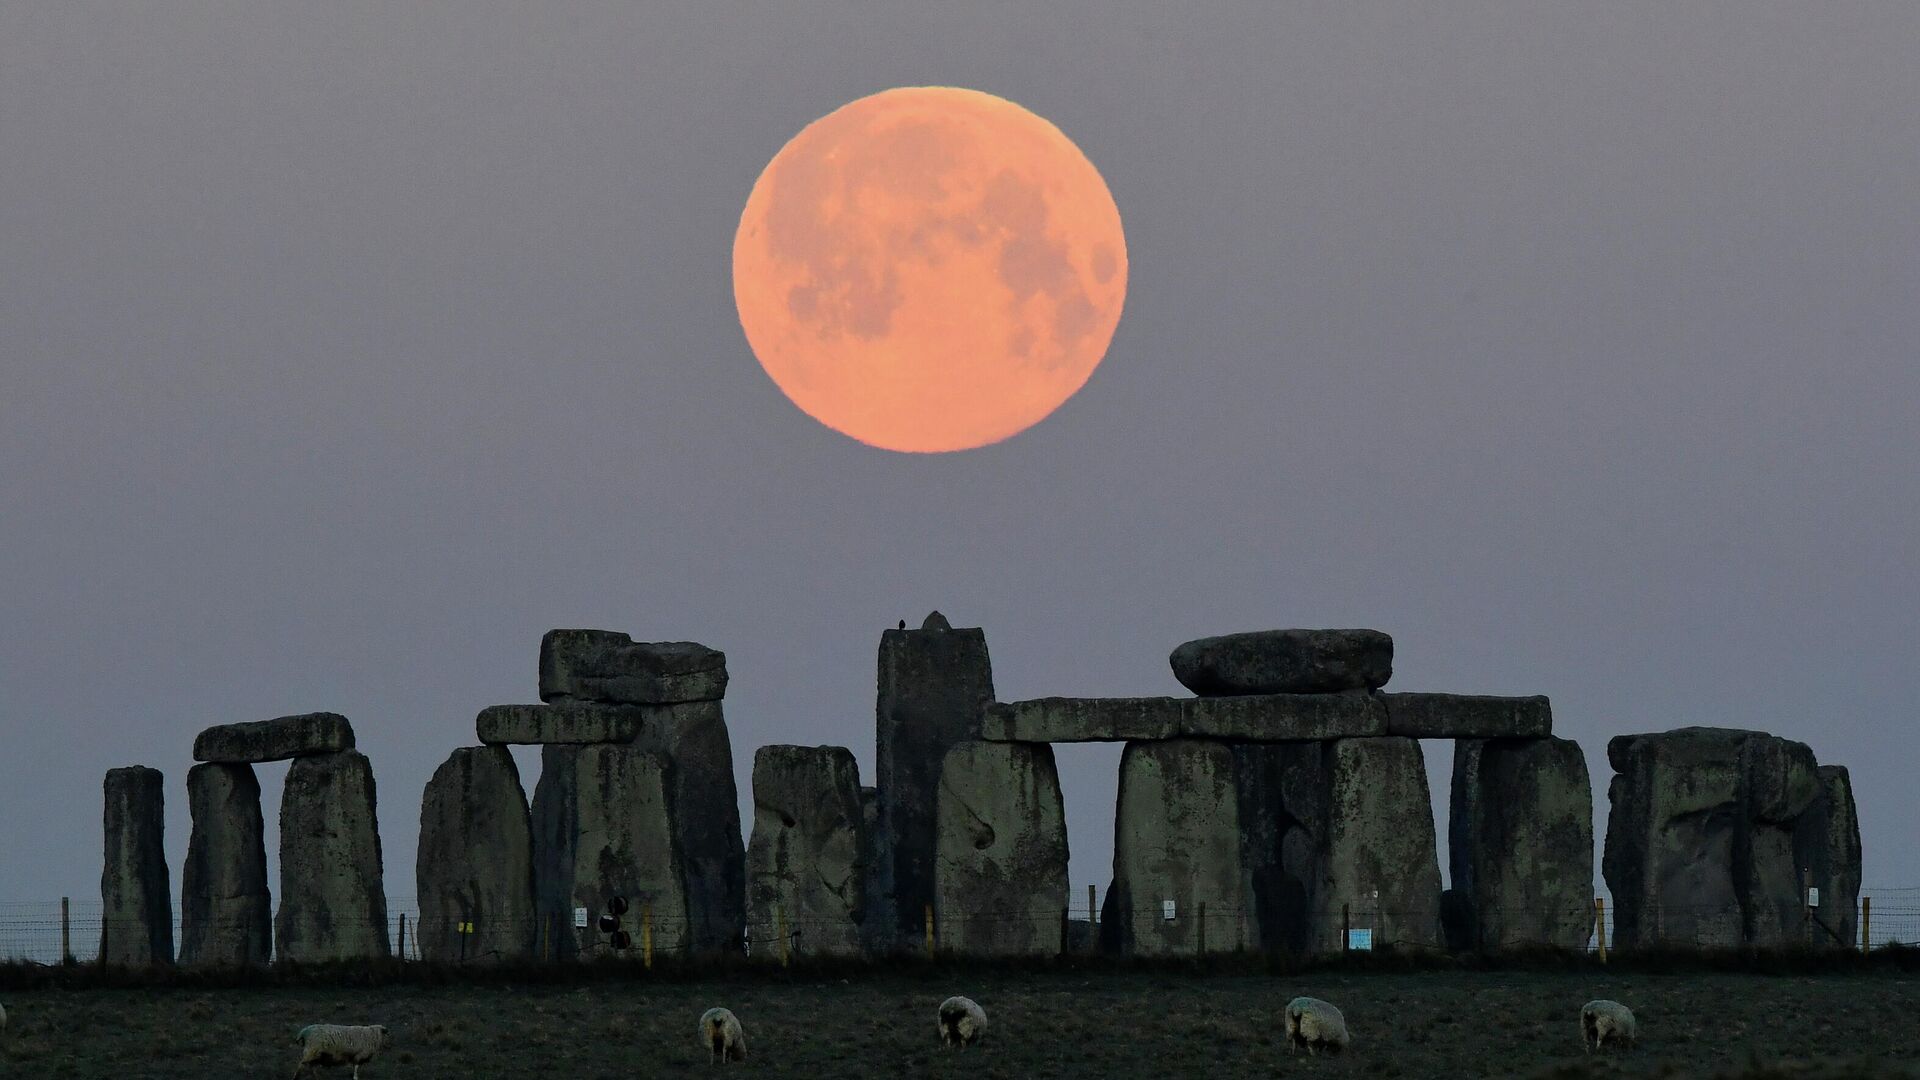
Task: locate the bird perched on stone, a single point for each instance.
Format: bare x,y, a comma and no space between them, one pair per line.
903,624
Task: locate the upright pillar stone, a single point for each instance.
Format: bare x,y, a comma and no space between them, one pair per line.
136,919
1000,870
1177,845
603,828
474,867
333,901
1826,841
692,737
1277,782
1370,849
806,864
226,910
1520,843
934,683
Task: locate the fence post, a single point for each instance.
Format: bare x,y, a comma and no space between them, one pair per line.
1093,913
929,931
1346,925
1866,921
66,933
403,936
646,934
1202,949
1600,924
780,920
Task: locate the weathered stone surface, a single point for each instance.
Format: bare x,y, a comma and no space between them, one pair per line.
602,827
333,900
1369,843
693,739
1520,844
1177,837
1467,716
136,918
274,740
1826,841
934,685
1274,780
806,863
1699,847
475,860
226,911
1249,718
612,668
1000,871
1285,662
572,722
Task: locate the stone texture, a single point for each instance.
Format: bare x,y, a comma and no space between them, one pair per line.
1699,848
475,860
567,723
1826,841
602,827
1369,843
1249,718
1520,844
1059,719
1177,836
692,738
1285,662
613,669
1467,716
806,863
226,910
1274,781
333,901
1000,869
136,918
274,740
934,684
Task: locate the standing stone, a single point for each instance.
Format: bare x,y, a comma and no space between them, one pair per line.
226,911
474,865
1520,843
333,901
1285,662
602,827
613,669
1000,869
692,738
806,864
1176,837
136,918
1370,848
1276,783
934,684
274,740
1826,841
1699,849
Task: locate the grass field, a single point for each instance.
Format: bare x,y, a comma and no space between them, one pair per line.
1044,1024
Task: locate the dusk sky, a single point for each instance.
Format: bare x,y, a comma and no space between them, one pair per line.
346,348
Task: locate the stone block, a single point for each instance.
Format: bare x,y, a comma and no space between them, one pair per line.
1000,872
1826,841
1370,845
1177,840
572,722
274,740
1058,719
1285,662
226,910
807,861
692,737
473,871
613,669
1520,844
136,900
1467,716
333,900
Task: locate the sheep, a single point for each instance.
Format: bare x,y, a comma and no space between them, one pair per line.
339,1044
962,1022
720,1033
1316,1025
1604,1022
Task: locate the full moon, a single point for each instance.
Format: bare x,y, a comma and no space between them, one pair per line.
929,269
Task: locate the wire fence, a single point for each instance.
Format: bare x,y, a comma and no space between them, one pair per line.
43,932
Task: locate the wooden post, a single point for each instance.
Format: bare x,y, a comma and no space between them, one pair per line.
1866,921
1346,926
780,920
646,934
403,937
1600,924
66,932
1093,913
1806,875
929,931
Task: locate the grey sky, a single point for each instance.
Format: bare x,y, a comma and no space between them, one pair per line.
347,347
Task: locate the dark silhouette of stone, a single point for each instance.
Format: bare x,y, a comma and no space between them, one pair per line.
274,740
1246,718
333,902
1467,716
1699,848
613,669
571,722
1520,844
934,684
1367,843
692,737
806,863
474,867
1177,837
136,917
603,828
1057,719
1000,868
1275,781
1826,842
1285,662
226,911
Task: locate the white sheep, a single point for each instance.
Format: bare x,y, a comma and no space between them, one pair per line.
1315,1025
720,1033
962,1022
339,1044
1604,1022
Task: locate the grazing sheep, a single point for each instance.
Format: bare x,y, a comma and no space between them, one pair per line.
1604,1022
339,1044
720,1033
1316,1025
961,1022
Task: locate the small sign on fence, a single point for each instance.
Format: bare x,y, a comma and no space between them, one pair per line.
1166,910
579,918
1813,897
466,928
1360,940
